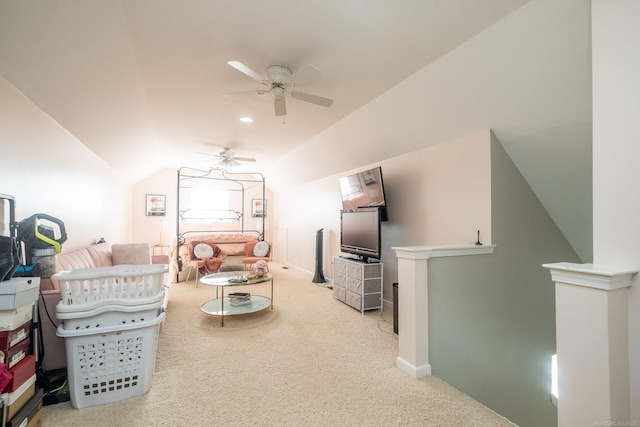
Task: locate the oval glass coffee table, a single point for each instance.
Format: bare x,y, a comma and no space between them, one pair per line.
222,306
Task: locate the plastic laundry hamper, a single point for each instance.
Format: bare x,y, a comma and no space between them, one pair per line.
119,284
110,363
99,315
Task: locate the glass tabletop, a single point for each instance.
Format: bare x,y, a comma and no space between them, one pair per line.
218,307
231,278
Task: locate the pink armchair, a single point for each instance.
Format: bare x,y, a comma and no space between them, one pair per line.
256,251
205,261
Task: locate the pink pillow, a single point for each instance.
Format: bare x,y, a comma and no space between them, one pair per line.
130,253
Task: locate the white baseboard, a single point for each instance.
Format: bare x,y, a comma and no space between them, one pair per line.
414,371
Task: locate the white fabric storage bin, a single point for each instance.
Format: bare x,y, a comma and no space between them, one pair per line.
110,363
119,284
108,315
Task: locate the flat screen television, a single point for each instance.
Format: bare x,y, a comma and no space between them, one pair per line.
360,233
364,189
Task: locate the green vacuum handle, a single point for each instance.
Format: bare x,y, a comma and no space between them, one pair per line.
56,243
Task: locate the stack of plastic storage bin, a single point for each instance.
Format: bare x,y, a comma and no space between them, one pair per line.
110,322
21,400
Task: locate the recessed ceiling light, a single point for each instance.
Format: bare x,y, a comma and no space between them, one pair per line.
246,119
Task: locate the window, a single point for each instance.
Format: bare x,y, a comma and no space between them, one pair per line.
207,204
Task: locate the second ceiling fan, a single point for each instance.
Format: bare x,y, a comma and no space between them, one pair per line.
281,81
227,158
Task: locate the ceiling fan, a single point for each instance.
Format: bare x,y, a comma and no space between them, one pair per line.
227,158
282,81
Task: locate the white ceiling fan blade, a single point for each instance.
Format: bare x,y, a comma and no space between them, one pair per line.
246,70
304,75
244,92
314,99
245,159
206,154
280,107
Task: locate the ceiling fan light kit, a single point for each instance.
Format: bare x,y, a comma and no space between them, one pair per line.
276,74
281,82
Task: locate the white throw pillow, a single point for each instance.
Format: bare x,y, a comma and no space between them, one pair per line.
261,249
202,251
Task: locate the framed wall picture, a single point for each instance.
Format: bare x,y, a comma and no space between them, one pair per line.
156,205
258,208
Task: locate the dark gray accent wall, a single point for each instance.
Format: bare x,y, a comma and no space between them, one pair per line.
492,317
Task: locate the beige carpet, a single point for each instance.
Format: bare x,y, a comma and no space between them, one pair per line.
312,361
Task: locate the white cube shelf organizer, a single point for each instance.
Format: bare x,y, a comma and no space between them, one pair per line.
357,283
119,284
110,363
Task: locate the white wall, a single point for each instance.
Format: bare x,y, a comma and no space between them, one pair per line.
151,229
440,195
48,171
616,129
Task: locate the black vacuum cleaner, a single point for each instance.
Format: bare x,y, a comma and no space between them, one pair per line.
42,236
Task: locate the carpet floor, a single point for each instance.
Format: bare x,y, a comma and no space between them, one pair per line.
311,361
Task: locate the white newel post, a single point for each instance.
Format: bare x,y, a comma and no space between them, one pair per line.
592,343
413,298
413,320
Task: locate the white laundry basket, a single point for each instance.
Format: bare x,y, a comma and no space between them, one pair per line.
119,284
99,315
110,363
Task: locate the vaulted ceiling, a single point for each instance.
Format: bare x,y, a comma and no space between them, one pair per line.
147,76
143,79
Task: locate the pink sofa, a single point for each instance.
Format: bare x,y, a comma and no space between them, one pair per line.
104,255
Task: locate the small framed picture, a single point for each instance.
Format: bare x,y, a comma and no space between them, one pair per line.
156,205
258,208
